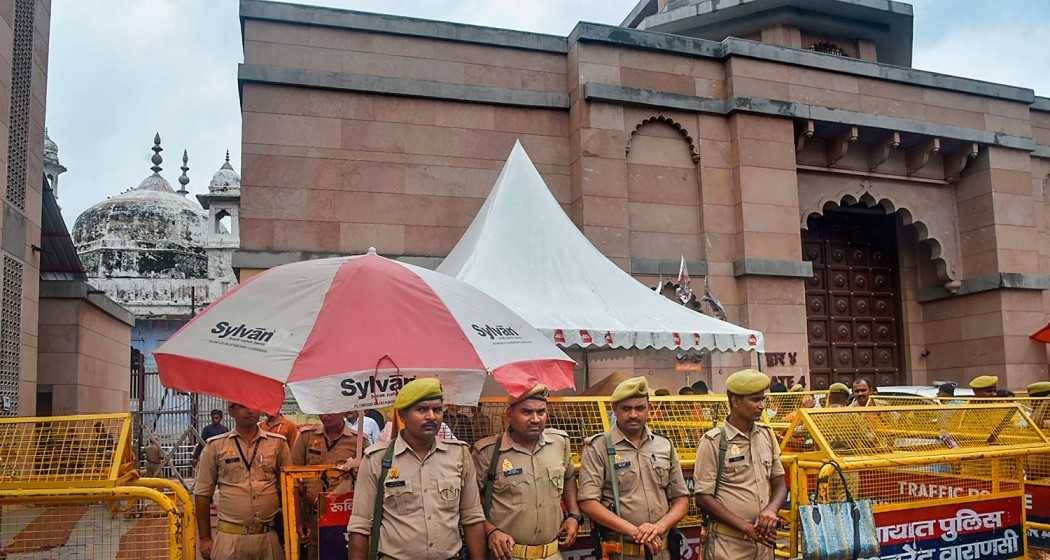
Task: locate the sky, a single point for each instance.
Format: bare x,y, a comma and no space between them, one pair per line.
122,70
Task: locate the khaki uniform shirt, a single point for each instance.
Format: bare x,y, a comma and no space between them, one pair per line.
527,492
283,427
313,448
650,475
424,502
248,496
752,461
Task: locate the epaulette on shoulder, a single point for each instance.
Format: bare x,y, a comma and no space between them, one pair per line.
308,428
712,433
220,436
659,435
485,442
273,434
557,432
380,446
589,439
455,442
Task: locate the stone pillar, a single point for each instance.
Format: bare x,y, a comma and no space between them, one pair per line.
986,329
768,262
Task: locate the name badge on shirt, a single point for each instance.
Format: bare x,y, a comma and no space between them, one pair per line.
229,460
736,459
314,451
394,483
512,472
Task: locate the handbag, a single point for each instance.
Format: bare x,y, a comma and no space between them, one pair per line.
839,530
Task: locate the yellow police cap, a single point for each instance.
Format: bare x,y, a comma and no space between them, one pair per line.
796,388
747,382
631,388
418,390
838,388
538,392
1039,389
984,382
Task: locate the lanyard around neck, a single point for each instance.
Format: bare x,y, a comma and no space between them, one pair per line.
255,451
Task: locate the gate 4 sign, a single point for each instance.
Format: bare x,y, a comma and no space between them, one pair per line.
987,529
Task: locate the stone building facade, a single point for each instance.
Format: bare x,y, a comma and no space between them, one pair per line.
871,218
24,35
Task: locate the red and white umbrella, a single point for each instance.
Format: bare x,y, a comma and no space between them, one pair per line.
347,333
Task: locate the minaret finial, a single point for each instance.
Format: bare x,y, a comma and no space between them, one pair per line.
156,159
227,156
184,179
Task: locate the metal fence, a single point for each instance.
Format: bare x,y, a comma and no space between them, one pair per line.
69,489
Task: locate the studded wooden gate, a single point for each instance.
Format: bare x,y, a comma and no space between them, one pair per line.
852,300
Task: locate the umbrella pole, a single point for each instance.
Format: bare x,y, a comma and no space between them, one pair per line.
359,455
759,355
586,370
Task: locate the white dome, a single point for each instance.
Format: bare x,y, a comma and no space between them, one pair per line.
225,179
50,148
150,230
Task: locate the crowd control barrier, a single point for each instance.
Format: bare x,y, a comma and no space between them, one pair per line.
945,481
69,489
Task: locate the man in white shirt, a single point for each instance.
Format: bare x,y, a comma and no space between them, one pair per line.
371,426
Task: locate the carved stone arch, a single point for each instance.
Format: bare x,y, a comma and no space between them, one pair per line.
934,220
694,152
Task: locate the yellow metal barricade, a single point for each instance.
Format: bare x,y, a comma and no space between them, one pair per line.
69,489
781,407
329,484
945,478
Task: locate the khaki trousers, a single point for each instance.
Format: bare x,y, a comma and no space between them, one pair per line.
726,547
265,546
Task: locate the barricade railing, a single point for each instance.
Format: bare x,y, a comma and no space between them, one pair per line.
319,498
69,489
944,480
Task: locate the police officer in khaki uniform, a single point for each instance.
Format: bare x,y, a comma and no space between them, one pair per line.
244,463
984,385
652,491
429,489
838,395
742,503
523,489
332,443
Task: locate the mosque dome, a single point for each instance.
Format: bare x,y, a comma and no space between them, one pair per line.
150,231
225,179
50,149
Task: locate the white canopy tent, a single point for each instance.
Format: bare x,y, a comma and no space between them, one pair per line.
523,250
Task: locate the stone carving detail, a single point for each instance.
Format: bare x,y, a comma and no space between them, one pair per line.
11,334
931,210
694,152
21,78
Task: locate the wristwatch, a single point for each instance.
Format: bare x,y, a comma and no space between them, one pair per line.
578,517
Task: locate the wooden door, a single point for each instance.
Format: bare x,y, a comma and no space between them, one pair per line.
853,298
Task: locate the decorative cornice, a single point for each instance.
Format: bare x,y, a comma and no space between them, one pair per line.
256,73
999,281
763,267
791,109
